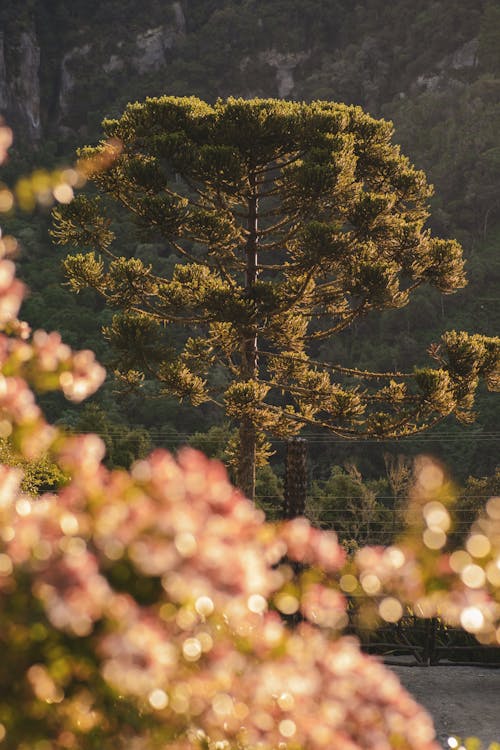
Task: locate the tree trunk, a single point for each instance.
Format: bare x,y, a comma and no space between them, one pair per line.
249,365
246,459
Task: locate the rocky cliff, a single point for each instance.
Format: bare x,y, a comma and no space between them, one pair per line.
20,82
66,63
430,65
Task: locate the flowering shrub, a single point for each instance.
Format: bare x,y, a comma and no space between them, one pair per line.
422,572
147,609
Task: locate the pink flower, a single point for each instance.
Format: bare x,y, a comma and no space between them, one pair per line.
82,455
324,606
10,481
75,595
11,292
309,545
5,141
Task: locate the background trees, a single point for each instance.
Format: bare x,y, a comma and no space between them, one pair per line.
290,222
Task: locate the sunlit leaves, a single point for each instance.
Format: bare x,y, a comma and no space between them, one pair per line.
177,379
83,224
198,353
466,358
437,389
471,355
444,266
128,282
136,336
244,398
85,271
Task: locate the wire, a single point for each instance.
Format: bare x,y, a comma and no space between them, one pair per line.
180,437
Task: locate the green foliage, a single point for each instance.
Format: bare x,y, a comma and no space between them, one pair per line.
269,493
214,442
124,444
80,222
291,222
470,503
350,506
39,476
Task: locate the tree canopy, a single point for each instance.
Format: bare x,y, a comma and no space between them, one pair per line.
290,221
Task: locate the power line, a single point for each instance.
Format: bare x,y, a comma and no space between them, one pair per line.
179,437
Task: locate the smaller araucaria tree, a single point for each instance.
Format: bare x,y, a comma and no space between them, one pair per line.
290,222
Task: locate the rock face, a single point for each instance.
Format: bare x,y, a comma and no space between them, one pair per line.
20,83
152,47
465,56
180,19
62,74
69,64
284,65
131,54
113,64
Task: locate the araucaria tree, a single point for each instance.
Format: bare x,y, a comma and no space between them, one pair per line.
290,221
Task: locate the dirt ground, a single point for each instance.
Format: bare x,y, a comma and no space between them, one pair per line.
463,701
